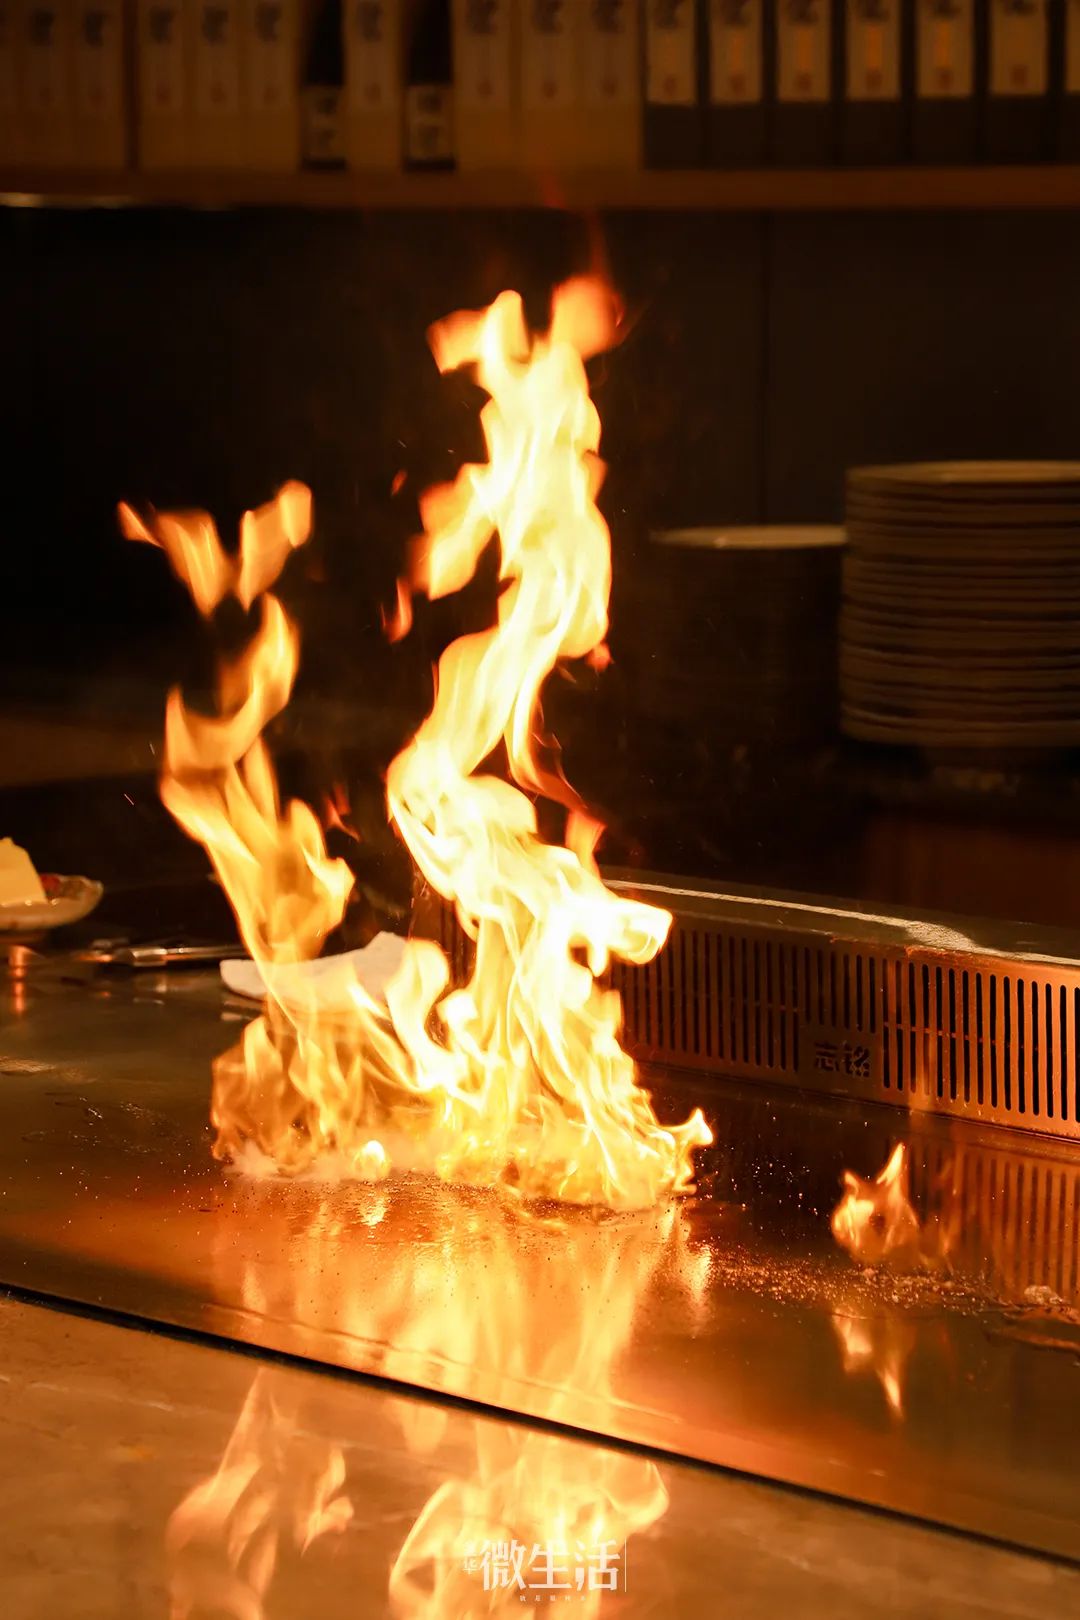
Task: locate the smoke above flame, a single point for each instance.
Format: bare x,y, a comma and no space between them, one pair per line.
516,1078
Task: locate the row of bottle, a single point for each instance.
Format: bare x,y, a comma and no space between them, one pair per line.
818,82
534,84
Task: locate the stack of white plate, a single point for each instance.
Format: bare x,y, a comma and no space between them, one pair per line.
960,625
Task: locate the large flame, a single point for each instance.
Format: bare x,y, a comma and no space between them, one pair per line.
517,1078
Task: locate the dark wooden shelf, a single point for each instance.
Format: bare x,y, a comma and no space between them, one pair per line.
765,190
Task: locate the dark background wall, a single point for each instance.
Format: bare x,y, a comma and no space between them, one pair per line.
202,358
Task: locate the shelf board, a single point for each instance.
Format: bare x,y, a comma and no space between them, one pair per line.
762,190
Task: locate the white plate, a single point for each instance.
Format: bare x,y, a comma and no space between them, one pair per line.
74,897
960,478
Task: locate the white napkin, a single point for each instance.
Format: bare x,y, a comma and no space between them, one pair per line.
326,983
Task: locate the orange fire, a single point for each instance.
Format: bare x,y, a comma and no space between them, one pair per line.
874,1220
222,1541
517,1078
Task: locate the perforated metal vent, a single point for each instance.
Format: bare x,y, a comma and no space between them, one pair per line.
962,1018
1012,1216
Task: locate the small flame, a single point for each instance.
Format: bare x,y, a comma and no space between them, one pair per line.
398,622
517,1078
336,813
874,1220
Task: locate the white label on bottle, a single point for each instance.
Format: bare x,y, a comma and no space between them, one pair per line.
429,123
945,49
873,50
735,71
482,70
372,56
98,57
670,53
7,59
217,59
803,43
549,53
609,61
271,55
44,64
1018,48
161,57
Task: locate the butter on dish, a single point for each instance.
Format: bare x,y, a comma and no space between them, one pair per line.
19,882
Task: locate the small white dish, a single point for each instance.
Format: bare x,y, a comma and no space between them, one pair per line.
67,900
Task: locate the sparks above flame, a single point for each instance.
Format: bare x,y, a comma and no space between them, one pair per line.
518,1077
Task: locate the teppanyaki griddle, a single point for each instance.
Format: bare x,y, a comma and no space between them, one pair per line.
731,1330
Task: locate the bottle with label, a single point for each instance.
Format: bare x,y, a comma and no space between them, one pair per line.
486,101
551,109
270,81
218,130
43,65
323,96
163,84
98,84
805,113
741,74
611,132
875,57
374,72
429,89
949,56
674,84
1017,122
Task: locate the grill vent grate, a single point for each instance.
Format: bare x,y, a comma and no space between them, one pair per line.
976,1041
1022,1210
974,1035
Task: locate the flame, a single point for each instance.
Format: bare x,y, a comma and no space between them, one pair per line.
336,813
518,1078
190,541
222,1541
874,1220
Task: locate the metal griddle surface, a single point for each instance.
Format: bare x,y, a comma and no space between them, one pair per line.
731,1331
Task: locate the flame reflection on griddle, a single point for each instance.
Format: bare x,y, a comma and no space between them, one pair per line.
527,1513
